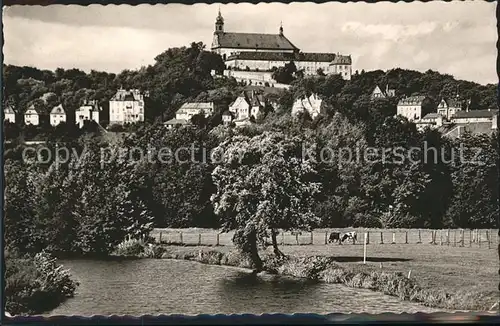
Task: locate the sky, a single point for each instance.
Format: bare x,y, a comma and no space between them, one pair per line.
457,38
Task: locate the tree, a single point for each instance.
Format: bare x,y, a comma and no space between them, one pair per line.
263,183
285,75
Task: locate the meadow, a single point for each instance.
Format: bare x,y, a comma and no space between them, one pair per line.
469,269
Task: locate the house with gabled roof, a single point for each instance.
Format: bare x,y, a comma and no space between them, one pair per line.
312,104
379,93
57,115
412,107
32,116
9,114
249,104
88,111
127,106
448,107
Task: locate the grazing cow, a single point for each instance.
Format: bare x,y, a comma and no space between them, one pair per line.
349,235
334,237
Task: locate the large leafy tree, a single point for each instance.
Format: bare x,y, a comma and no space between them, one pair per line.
263,183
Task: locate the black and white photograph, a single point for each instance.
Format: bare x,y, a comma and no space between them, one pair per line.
243,158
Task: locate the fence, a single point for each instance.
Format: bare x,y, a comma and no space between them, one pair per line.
487,239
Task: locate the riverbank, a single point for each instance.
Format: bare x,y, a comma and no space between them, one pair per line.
328,269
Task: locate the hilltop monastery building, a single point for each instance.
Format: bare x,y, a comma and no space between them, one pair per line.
262,52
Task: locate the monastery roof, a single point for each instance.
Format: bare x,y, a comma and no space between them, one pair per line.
283,56
254,40
57,110
475,114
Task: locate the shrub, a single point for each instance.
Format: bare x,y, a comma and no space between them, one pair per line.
130,248
35,285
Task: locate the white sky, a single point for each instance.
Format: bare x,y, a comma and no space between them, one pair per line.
457,38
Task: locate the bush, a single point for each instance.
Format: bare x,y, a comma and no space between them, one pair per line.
35,285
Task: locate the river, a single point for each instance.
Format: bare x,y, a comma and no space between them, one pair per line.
161,286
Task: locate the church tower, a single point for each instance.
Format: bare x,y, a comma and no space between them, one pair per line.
219,24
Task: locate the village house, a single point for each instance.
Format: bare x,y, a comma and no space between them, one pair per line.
126,106
227,117
9,114
378,93
475,122
430,120
57,115
448,107
246,106
413,107
188,110
312,104
32,116
176,122
89,111
261,52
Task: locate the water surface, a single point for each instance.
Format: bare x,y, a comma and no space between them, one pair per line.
162,286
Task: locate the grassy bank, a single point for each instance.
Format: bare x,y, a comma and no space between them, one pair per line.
330,270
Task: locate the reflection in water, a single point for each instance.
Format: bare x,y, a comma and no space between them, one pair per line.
149,286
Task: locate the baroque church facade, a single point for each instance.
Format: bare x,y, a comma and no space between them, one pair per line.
263,52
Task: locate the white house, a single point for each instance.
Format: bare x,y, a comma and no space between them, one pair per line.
411,107
431,120
126,106
475,116
57,115
31,116
190,109
249,104
378,93
448,107
9,114
89,111
311,104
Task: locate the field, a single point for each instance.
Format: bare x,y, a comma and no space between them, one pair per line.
471,269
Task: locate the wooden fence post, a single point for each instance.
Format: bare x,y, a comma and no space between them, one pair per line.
440,237
368,237
393,237
433,237
217,239
381,238
470,238
326,237
199,239
479,237
406,237
419,237
488,238
160,238
312,238
448,237
181,238
454,238
297,238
